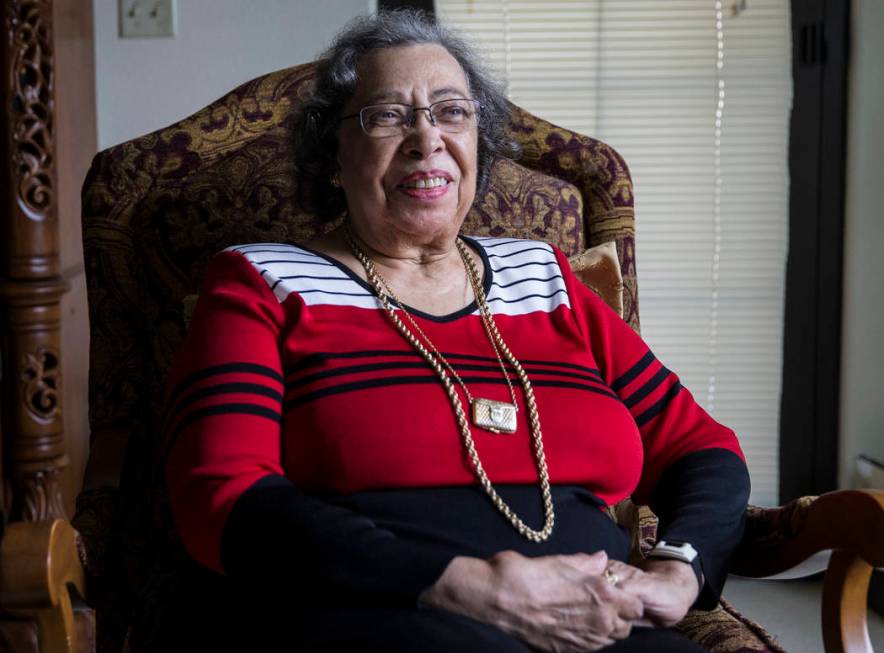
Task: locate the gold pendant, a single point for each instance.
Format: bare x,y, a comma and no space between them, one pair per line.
494,416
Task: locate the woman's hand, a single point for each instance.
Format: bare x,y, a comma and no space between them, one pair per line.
666,588
559,603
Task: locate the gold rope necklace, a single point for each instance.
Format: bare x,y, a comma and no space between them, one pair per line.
495,416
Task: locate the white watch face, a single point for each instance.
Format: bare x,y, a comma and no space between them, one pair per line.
674,551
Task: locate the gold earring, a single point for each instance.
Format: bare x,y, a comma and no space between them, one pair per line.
335,180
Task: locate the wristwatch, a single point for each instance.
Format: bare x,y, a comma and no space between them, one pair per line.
678,550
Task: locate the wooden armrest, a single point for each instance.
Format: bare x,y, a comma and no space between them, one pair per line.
38,564
850,523
778,539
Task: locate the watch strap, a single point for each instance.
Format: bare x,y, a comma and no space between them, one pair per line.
681,551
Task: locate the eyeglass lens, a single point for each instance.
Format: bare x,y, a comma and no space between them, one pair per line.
388,119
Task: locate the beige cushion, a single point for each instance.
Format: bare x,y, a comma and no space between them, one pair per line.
599,269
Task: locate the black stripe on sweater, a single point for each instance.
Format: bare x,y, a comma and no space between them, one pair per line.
521,251
318,358
658,406
523,265
460,367
220,409
525,280
222,388
650,385
309,261
226,368
430,379
524,297
257,248
632,372
482,240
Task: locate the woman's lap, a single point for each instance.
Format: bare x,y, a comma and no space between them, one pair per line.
424,630
656,640
225,620
365,630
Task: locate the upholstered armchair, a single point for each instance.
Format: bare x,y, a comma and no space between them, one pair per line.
155,210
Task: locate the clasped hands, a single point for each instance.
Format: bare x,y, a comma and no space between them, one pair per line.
565,603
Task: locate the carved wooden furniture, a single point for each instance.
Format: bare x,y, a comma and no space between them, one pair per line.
31,288
39,561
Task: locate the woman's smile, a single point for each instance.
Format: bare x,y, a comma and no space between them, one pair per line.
426,185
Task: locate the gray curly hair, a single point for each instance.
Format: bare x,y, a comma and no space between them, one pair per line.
336,80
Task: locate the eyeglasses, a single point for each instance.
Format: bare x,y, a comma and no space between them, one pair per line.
392,119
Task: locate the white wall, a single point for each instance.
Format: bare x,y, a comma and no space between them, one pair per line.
145,84
862,363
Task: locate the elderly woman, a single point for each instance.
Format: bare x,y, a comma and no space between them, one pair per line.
415,433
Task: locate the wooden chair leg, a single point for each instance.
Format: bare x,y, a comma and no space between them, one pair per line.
56,626
844,605
39,565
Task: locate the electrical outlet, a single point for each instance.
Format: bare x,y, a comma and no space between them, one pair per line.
147,18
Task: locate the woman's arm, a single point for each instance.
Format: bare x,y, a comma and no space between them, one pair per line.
234,509
701,499
283,536
694,475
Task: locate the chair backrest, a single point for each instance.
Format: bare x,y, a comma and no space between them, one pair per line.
156,208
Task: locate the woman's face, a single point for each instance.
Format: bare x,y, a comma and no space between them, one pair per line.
381,176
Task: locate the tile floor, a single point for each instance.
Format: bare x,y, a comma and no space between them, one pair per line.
790,610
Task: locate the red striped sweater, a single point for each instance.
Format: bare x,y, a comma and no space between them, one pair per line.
291,368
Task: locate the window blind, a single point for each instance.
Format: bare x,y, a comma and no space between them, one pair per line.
696,95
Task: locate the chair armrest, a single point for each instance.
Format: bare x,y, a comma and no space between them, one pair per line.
850,523
778,539
39,563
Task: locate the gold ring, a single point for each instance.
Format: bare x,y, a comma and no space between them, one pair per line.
611,577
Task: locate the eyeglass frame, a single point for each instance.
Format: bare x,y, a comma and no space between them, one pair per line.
410,124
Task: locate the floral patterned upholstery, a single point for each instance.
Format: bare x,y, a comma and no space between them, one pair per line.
156,208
